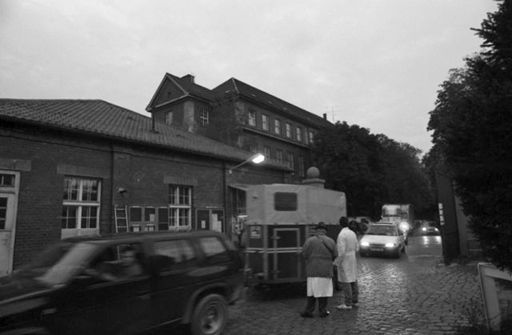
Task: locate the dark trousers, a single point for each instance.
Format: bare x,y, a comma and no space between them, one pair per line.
311,302
350,292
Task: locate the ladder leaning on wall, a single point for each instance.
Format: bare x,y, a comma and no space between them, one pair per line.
121,219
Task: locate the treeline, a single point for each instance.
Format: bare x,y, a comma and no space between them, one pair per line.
472,136
372,170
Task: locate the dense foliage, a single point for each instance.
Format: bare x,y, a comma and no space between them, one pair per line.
472,135
372,170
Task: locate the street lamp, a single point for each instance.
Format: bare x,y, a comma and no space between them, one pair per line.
256,159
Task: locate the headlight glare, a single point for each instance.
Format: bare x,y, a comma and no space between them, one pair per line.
390,245
365,244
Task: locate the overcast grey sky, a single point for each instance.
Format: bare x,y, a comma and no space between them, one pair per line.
374,63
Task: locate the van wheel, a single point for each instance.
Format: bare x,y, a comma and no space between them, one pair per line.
210,315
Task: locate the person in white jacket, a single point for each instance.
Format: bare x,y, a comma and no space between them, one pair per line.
346,263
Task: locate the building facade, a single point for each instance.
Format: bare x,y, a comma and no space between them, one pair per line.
240,115
81,167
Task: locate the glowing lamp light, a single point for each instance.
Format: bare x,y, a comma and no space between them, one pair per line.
256,159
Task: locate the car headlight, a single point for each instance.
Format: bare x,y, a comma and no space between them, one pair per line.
365,244
390,245
404,226
424,229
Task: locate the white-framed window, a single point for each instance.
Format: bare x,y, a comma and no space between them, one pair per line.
169,118
81,203
264,122
311,136
204,116
298,134
251,118
288,130
277,127
306,137
180,206
7,180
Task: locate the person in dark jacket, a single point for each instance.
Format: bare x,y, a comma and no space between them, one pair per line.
319,251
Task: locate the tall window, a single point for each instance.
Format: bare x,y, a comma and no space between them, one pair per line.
277,126
288,129
251,118
180,206
311,137
204,116
168,118
81,203
279,155
264,122
298,134
290,160
266,151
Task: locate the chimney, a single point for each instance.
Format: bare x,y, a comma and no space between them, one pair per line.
325,116
189,78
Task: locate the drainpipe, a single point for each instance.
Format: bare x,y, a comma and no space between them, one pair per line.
225,197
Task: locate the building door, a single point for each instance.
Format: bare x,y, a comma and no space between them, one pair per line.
8,204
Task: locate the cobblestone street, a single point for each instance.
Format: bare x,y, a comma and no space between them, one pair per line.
416,294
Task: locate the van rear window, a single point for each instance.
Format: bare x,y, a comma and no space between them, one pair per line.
285,201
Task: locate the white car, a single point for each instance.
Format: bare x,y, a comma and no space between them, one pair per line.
384,239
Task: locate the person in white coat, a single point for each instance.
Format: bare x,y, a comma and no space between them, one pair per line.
346,263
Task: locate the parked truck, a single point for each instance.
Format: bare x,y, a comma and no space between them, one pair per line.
280,217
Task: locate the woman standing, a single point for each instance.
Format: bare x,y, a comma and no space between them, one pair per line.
319,251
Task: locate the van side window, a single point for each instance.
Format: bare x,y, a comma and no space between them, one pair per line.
213,249
174,254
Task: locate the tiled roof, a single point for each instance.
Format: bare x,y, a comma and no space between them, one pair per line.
252,93
100,118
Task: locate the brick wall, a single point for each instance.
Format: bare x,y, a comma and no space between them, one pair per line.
144,172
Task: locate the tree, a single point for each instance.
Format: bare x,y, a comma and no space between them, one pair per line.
471,123
370,169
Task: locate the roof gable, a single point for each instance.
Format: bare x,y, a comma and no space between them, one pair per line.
173,88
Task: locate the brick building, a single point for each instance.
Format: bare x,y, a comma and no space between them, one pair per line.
240,115
74,167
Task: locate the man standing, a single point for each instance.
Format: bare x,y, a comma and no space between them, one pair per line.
319,251
346,264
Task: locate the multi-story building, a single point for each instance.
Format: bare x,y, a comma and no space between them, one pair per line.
241,115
